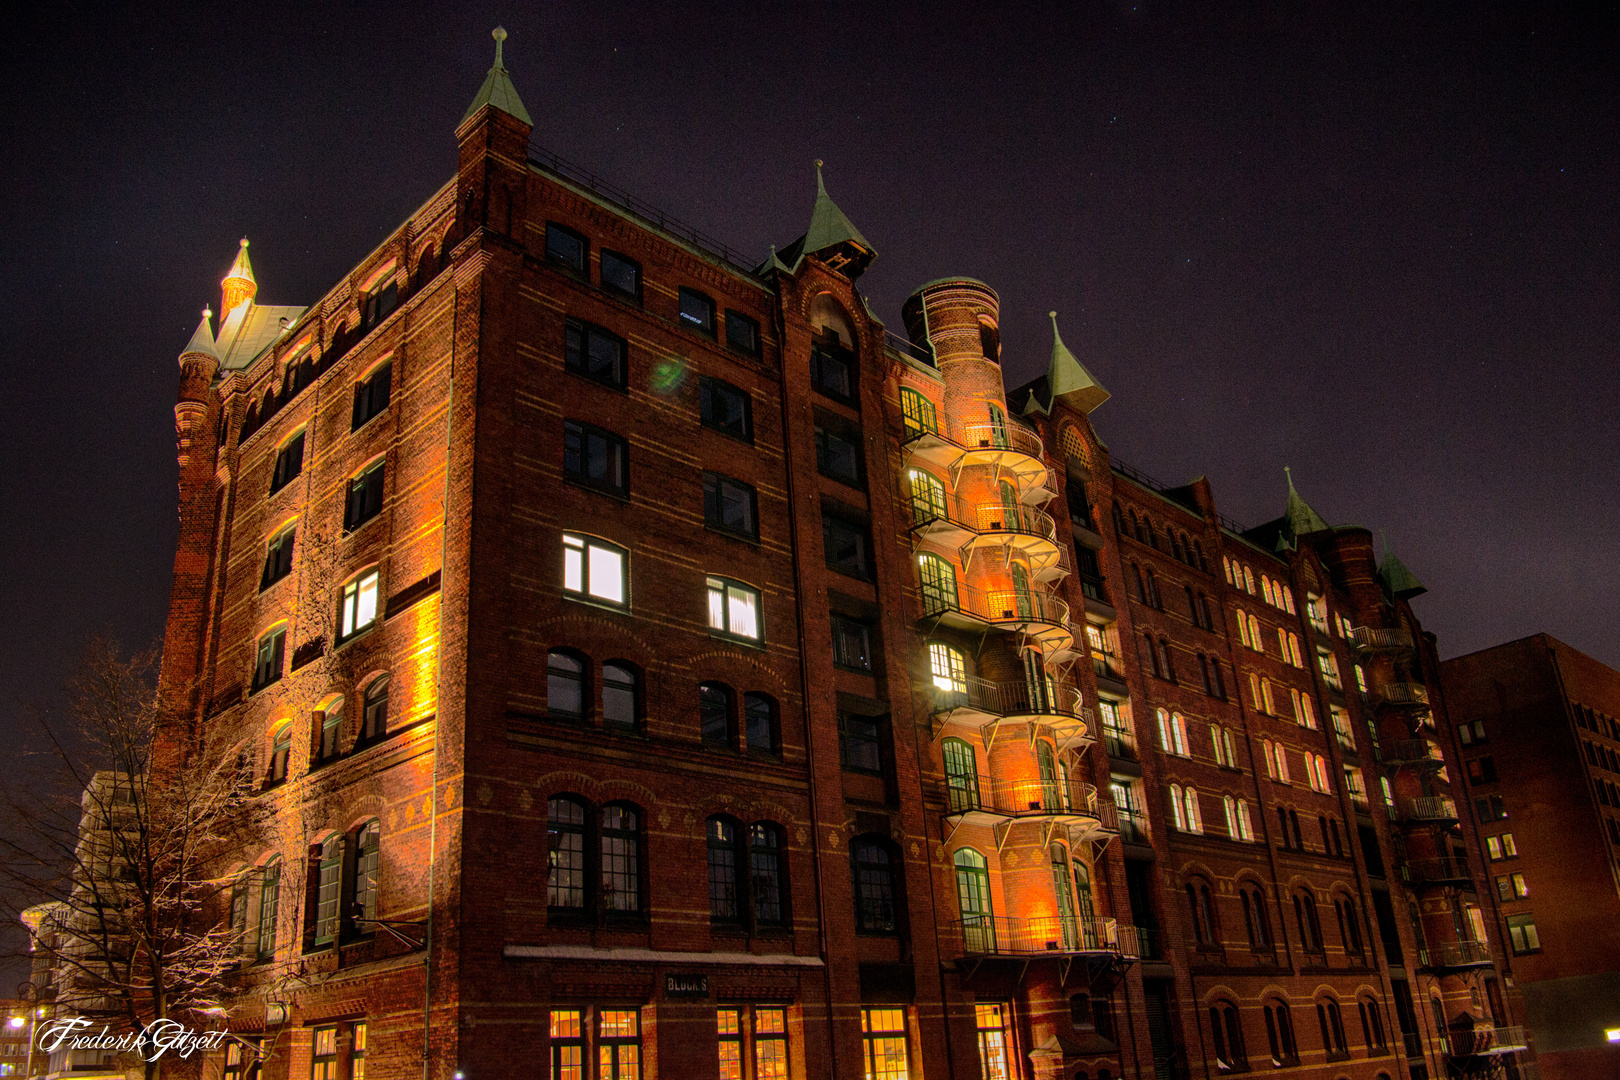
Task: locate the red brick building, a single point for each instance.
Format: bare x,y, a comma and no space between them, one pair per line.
1535,726
556,554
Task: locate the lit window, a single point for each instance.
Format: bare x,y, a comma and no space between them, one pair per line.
883,1038
278,557
734,609
618,1044
991,1020
595,569
621,275
359,609
323,1063
289,463
357,1053
697,311
1522,934
371,395
567,1045
770,1044
917,413
595,353
948,667
728,1024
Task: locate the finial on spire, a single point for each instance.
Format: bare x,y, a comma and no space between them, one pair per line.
1067,377
498,91
499,34
242,242
207,314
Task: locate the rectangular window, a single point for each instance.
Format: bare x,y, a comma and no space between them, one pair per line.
768,1032
618,1044
846,548
734,609
859,744
832,370
359,609
323,1054
371,395
742,333
269,908
730,505
595,353
852,644
595,457
380,304
357,1053
728,1023
991,1020
726,409
278,558
289,463
1490,809
1330,669
365,497
565,247
770,1044
596,570
622,275
567,1045
1522,934
697,311
883,1040
1482,770
267,666
838,455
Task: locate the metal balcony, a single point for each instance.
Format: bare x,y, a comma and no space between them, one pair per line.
1057,935
959,528
1486,1041
1440,872
1429,809
1070,801
1012,451
1033,612
1454,954
1414,753
1403,695
1368,640
981,701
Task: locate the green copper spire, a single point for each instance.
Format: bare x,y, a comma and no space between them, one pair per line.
830,229
1068,380
1401,582
202,341
1301,518
498,91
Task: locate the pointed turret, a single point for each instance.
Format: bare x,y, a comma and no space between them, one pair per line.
238,284
202,341
498,91
1302,520
1401,582
832,237
1067,379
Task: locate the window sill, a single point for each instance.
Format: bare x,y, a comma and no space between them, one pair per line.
735,534
854,483
745,439
356,635
263,687
591,601
856,575
724,635
854,670
606,384
350,530
601,489
353,430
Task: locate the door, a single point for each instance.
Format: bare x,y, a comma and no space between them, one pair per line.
973,901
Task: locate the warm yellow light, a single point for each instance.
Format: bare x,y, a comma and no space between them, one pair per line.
1613,1034
18,1021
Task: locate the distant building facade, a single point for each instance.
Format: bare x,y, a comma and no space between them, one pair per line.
1536,728
659,668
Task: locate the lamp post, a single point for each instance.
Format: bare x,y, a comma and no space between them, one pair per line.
16,1023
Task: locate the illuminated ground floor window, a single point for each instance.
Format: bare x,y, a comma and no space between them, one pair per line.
991,1017
753,1042
883,1035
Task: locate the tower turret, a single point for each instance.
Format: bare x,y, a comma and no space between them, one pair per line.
237,285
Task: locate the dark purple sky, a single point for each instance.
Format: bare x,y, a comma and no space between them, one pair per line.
1380,248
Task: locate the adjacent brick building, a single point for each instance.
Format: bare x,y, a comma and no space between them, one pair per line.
1535,725
660,668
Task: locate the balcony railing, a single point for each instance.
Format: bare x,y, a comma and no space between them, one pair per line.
1119,742
1455,954
1094,588
1440,871
996,605
1487,1041
1004,436
1372,639
1420,752
1133,827
1404,695
1009,799
1429,808
1010,698
1056,935
1108,666
1016,519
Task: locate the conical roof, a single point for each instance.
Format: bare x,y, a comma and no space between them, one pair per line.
1301,518
498,91
829,229
1067,378
202,341
241,268
1400,581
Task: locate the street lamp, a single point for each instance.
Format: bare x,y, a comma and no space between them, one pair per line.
16,1023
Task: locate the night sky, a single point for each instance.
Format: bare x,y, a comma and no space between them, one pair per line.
1379,248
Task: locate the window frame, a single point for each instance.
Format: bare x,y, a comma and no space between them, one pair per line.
280,477
278,556
618,451
583,268
352,603
367,407
578,356
828,352
579,550
603,256
870,903
275,640
715,485
707,326
729,589
364,495
712,389
734,318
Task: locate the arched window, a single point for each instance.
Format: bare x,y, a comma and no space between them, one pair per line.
328,738
998,427
715,715
989,341
621,694
1119,521
1021,594
759,723
917,412
1227,1034
1349,924
1229,806
875,886
938,580
280,753
362,888
374,722
565,685
973,901
565,880
1178,811
1051,790
961,776
1198,556
1011,517
1175,546
927,498
725,899
948,668
1141,526
1310,929
327,860
1280,1033
1328,1016
765,874
1255,919
621,860
1195,816
1201,908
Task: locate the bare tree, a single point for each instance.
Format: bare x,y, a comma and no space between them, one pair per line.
115,842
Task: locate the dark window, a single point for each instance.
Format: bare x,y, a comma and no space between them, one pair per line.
621,860
1491,809
1482,770
371,395
595,457
594,353
852,644
730,505
267,666
724,885
742,333
759,723
1228,1036
1280,1033
832,370
875,905
860,744
621,694
697,311
565,881
715,715
278,559
362,885
328,859
765,874
374,723
328,740
379,305
746,886
289,463
990,342
566,685
725,408
846,546
365,497
621,275
280,753
838,455
566,247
